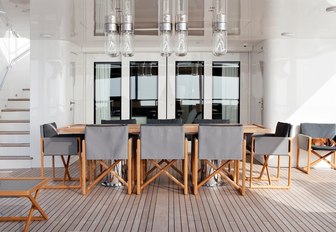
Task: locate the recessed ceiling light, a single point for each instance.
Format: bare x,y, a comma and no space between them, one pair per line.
331,9
2,12
45,36
287,34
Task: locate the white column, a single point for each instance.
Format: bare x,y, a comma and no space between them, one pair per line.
50,83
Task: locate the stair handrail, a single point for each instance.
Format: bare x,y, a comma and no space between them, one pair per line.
10,65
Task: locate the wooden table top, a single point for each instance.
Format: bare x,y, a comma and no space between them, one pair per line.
188,128
21,186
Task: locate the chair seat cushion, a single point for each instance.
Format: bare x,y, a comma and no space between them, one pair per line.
323,148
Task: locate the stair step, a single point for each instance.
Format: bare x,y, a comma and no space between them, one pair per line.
16,157
17,115
14,138
15,110
14,126
14,121
15,151
14,144
17,105
14,132
18,99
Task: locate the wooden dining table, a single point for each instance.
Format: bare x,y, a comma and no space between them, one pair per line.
188,129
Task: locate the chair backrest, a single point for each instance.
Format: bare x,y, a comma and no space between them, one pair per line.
221,142
123,121
106,142
271,145
318,130
212,121
48,130
162,141
283,129
176,121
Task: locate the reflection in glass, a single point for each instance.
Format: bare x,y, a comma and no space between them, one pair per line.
144,91
225,91
107,85
189,91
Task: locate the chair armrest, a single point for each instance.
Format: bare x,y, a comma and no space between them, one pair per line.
271,145
304,142
61,145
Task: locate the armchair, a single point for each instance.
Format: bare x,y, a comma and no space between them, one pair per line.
279,144
53,145
308,131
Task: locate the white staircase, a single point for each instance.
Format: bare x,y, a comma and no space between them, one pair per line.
15,132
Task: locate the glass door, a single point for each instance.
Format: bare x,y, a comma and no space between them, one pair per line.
225,91
144,90
189,90
107,94
149,86
144,87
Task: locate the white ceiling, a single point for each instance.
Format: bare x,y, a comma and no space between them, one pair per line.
249,20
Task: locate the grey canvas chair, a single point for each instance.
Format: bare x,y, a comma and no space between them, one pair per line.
278,144
104,144
308,133
53,145
220,142
191,138
110,181
161,142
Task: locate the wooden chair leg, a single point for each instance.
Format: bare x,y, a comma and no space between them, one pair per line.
309,161
263,168
334,160
298,155
251,167
53,166
83,167
195,172
243,169
289,169
267,171
90,171
278,169
138,168
94,164
129,167
80,168
42,157
185,167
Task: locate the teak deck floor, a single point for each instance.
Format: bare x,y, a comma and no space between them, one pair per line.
308,206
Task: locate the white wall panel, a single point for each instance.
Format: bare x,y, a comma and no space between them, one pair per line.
300,80
50,88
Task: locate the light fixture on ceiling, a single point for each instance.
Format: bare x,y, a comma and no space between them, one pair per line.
127,28
165,20
219,31
114,42
2,12
111,31
181,27
331,9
